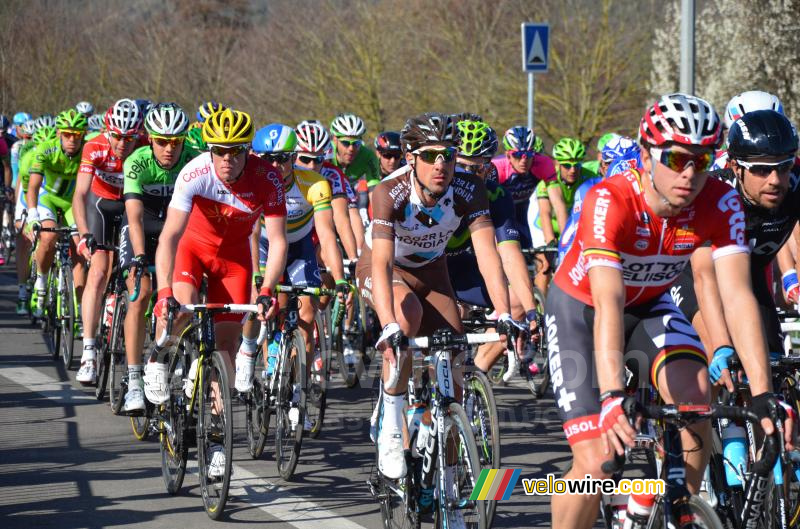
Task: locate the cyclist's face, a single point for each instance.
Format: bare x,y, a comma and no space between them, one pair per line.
311,161
435,175
167,150
229,163
477,165
520,165
767,190
680,188
390,160
70,142
121,146
569,171
346,149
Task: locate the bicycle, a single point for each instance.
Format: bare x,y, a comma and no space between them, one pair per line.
60,305
449,436
677,507
110,339
8,234
199,405
283,389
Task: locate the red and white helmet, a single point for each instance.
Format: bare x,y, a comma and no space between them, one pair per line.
311,136
124,117
683,119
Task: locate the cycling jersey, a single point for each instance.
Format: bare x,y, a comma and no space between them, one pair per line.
340,186
58,169
420,233
618,229
365,166
104,168
571,227
147,181
306,193
522,186
568,192
3,148
501,211
17,150
25,162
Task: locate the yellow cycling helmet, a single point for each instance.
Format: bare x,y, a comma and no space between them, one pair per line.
228,127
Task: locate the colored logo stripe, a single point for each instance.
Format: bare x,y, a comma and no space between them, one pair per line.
495,484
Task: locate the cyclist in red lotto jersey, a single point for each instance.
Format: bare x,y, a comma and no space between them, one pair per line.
635,235
219,197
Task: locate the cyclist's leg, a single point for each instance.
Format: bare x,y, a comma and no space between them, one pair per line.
23,251
678,368
45,250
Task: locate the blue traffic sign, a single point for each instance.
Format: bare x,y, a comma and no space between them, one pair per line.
535,46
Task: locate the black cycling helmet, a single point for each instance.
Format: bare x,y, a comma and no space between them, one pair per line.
761,134
424,129
388,141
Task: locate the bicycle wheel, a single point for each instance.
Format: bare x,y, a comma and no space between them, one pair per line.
214,433
101,346
257,412
348,372
291,371
481,410
119,360
700,515
495,375
66,314
50,320
317,394
174,423
453,501
33,298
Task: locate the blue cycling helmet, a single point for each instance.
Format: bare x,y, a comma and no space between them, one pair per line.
519,139
620,165
275,137
21,117
619,147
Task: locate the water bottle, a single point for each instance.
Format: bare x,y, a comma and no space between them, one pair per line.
638,512
618,503
424,430
108,313
413,419
735,453
272,352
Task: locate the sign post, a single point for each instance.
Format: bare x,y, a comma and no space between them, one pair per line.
535,49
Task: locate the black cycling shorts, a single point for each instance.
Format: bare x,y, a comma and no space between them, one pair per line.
656,333
466,279
152,229
103,217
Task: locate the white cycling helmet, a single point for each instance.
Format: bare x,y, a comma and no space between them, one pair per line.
85,108
29,127
96,122
166,119
312,136
45,120
749,101
348,125
124,117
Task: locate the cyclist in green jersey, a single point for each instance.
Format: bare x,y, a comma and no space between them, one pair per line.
353,157
150,174
50,188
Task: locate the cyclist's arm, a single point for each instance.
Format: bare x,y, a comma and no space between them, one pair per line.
559,206
744,319
275,227
787,254
357,226
134,209
516,269
341,220
707,292
82,184
546,219
608,298
34,183
255,241
7,171
168,245
490,266
383,296
323,222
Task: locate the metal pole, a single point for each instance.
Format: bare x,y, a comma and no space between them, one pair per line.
530,100
687,46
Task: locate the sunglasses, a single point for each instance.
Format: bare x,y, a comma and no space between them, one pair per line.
432,155
764,169
351,143
310,159
522,154
679,161
123,137
392,155
163,142
275,157
569,165
219,150
72,134
474,168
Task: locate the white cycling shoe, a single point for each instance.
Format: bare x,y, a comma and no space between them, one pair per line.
87,374
155,382
244,372
216,467
134,398
391,458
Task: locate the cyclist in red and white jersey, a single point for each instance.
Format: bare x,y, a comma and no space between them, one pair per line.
98,207
610,295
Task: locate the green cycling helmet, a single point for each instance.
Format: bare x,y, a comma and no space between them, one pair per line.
194,139
71,120
477,139
605,138
538,144
45,133
569,150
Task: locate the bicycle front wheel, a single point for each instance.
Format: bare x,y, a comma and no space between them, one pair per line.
461,476
317,398
119,359
481,410
257,413
214,434
174,426
290,404
66,314
697,514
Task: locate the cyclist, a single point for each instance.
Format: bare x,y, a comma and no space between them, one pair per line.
308,211
45,120
351,155
218,198
403,273
593,166
18,120
24,134
478,143
96,126
761,149
610,295
6,143
204,111
738,106
98,207
85,108
23,247
150,174
194,139
312,142
390,156
520,170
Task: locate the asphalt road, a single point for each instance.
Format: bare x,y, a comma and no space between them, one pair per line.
67,462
